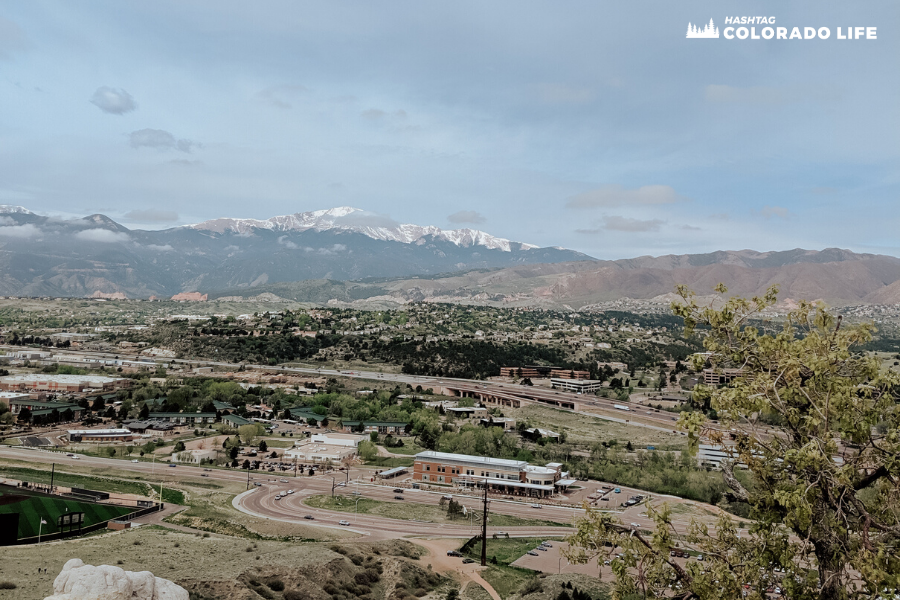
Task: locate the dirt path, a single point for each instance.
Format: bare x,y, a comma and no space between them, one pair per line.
441,563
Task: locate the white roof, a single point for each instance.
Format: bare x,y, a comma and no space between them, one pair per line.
13,395
99,431
97,379
466,458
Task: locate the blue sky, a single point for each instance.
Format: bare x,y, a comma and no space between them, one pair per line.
590,125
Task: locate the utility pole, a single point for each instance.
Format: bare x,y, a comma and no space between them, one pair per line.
484,527
52,473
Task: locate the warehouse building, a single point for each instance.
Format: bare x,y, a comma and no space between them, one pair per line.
62,383
100,435
499,474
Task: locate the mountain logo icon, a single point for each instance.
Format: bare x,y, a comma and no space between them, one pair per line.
710,31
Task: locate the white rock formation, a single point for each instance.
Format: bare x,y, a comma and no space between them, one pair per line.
78,581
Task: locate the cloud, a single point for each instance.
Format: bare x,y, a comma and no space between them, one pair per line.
104,236
113,101
159,139
726,94
376,114
287,243
152,215
617,223
12,39
335,249
691,228
558,93
279,95
616,195
158,248
20,231
466,216
775,211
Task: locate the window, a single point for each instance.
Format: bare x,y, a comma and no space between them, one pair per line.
427,467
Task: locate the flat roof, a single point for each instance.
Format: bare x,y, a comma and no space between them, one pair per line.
566,482
62,378
394,471
13,395
575,381
519,484
466,458
99,432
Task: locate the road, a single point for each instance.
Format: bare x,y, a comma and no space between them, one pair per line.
589,405
261,502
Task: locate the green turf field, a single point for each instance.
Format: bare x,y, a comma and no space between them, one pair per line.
31,510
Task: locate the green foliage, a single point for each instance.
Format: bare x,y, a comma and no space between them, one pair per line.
824,486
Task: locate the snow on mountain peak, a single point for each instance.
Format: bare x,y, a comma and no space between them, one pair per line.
10,209
347,218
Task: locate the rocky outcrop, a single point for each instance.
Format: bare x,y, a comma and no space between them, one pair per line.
78,581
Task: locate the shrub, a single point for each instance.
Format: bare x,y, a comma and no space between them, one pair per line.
295,595
276,585
7,585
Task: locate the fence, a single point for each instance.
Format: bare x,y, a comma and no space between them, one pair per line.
95,527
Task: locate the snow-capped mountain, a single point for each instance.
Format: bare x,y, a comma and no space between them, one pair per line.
347,218
9,209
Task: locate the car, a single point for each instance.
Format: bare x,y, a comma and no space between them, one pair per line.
134,460
546,544
342,484
535,506
501,533
203,475
344,523
172,465
635,525
617,491
290,491
398,497
207,469
309,517
606,499
541,548
278,497
447,497
284,481
532,553
398,491
76,457
454,553
356,493
468,561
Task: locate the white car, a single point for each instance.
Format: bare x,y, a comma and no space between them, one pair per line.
290,491
535,506
135,460
635,525
344,523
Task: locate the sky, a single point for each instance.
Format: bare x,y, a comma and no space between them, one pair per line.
595,126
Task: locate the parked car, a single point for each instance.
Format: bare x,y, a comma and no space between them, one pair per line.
617,491
532,553
172,465
134,460
398,497
454,553
398,491
468,561
541,548
345,523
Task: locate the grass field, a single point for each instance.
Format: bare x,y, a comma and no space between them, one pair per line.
35,507
412,511
91,482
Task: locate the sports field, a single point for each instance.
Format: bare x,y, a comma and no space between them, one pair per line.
32,508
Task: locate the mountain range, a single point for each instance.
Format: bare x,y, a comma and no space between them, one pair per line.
43,256
350,255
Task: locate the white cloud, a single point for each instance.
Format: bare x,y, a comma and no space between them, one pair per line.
20,231
113,101
466,216
558,93
616,195
158,248
104,236
617,223
775,211
727,94
151,215
335,249
159,139
287,243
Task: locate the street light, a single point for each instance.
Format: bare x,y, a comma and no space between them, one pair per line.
356,510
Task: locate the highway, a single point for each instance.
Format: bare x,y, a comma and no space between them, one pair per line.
602,408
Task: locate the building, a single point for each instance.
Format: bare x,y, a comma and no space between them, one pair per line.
194,456
7,397
184,418
579,386
382,427
569,374
100,435
325,448
467,412
530,372
235,420
720,376
62,383
38,406
506,423
499,474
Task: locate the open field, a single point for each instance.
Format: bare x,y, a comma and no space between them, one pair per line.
411,511
34,507
581,428
169,554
